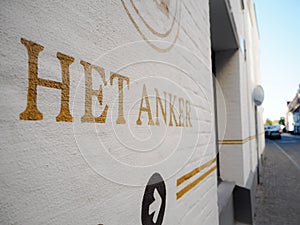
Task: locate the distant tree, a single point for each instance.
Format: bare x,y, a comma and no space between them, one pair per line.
281,121
275,122
268,122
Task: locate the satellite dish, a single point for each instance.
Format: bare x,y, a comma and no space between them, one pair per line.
258,95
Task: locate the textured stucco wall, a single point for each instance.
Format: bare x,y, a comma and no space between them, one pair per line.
82,172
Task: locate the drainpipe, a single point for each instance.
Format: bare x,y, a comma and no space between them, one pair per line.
258,98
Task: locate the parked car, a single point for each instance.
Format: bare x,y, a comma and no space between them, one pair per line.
273,132
267,129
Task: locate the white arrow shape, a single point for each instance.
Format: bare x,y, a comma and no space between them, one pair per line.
155,206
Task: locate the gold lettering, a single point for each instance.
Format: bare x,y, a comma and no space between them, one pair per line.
121,79
31,112
163,110
90,92
145,109
181,103
188,111
172,114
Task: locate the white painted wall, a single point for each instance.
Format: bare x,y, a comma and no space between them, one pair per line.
85,173
238,73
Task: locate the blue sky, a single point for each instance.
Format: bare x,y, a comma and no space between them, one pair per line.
279,27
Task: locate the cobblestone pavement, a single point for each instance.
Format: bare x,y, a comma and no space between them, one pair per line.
278,195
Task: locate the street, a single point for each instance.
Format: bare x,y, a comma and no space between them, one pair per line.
278,195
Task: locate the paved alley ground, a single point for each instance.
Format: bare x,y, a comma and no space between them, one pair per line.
278,195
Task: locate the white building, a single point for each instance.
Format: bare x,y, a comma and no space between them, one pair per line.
129,112
292,119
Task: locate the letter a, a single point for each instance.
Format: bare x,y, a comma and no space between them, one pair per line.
145,109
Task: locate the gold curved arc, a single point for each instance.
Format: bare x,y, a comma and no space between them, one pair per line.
145,38
153,31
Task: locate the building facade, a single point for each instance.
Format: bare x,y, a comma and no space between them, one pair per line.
292,119
129,112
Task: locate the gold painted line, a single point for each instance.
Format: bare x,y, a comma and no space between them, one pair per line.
252,137
194,183
194,172
231,142
243,141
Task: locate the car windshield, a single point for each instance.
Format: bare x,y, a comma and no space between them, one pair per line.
275,127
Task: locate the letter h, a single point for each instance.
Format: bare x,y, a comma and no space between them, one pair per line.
31,112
